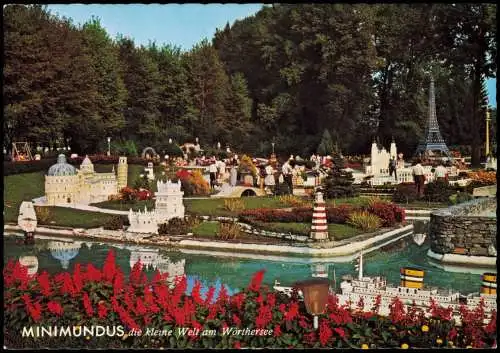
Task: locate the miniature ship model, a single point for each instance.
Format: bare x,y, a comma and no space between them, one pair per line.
410,291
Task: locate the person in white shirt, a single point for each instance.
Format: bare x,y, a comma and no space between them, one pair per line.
440,172
287,170
212,169
221,166
419,177
269,178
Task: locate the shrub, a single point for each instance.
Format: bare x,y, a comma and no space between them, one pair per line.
43,215
483,178
128,194
405,193
337,215
229,230
11,168
142,183
384,211
247,166
293,201
438,191
365,221
115,223
178,226
193,183
234,205
460,197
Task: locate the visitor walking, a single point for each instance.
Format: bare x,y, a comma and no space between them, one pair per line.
269,178
287,171
212,169
392,168
233,174
419,177
262,176
441,173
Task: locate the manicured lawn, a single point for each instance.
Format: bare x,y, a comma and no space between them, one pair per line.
66,217
339,231
215,207
206,229
19,188
125,206
354,201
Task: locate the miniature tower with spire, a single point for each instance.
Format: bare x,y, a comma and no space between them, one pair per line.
432,140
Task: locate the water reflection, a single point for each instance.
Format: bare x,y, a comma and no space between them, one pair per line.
234,272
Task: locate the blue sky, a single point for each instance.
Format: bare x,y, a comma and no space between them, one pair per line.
182,25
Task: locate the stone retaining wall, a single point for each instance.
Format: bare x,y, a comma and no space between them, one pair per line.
461,230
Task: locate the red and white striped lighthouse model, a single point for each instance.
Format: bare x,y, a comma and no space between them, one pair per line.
319,228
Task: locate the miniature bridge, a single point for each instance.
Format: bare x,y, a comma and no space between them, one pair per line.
238,191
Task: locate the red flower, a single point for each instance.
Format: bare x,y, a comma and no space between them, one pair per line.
44,283
238,300
277,331
340,331
135,274
55,308
452,334
210,295
236,320
140,309
195,292
325,333
256,280
264,316
77,278
93,274
237,344
118,283
87,304
271,299
223,296
102,310
35,311
292,312
109,268
67,285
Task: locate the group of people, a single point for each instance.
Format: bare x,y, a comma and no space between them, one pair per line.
439,170
270,177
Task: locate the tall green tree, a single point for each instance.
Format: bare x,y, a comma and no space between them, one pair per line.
142,81
111,98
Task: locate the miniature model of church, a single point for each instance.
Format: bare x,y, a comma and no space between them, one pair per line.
64,184
168,205
379,162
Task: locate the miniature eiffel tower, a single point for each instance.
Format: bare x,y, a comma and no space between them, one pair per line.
432,141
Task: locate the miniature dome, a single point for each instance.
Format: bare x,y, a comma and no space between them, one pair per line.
87,161
61,168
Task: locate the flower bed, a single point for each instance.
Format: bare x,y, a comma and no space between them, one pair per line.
388,212
89,296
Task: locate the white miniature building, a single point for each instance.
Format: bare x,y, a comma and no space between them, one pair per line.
65,184
31,262
379,161
168,205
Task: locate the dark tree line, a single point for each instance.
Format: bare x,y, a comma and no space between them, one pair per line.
284,75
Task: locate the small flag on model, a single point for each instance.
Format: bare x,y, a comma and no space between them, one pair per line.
319,228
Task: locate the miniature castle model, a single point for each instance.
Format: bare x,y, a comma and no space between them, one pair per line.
65,184
168,205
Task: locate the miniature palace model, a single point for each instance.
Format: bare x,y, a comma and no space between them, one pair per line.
64,184
168,205
411,290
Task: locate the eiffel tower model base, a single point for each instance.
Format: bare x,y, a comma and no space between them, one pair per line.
434,147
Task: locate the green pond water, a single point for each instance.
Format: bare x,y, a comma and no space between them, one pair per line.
234,272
